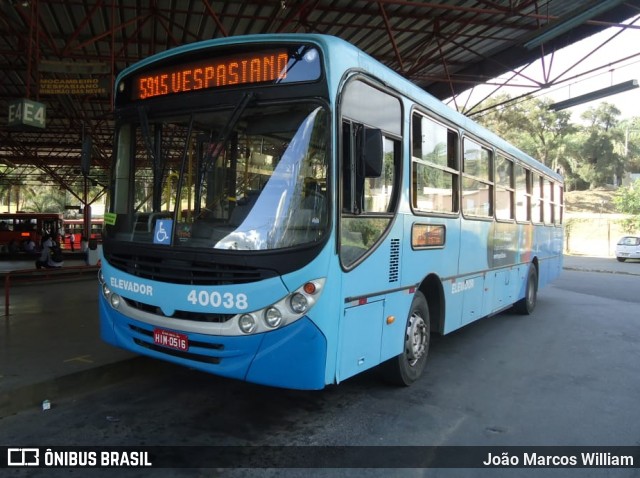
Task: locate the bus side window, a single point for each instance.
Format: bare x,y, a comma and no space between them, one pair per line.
505,192
558,203
547,201
366,162
370,167
477,180
434,163
523,194
373,185
536,198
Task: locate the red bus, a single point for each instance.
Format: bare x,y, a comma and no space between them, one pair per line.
75,228
21,231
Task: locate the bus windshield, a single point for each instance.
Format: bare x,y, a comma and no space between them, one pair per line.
253,177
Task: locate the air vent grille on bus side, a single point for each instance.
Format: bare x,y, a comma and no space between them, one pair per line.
394,260
186,271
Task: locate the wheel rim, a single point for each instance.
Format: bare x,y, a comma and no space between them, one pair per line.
531,294
417,339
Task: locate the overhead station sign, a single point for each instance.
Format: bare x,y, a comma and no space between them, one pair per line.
24,112
69,79
72,86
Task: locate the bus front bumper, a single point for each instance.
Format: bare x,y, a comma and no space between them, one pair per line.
291,357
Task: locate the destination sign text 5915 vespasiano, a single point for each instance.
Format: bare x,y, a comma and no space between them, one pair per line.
212,73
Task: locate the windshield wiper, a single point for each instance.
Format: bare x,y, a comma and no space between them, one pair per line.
156,157
183,162
223,138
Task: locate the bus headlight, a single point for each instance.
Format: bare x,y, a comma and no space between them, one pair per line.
106,292
273,317
114,299
111,297
299,303
247,323
290,308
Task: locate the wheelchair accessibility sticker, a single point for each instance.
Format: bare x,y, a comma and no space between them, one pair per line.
162,233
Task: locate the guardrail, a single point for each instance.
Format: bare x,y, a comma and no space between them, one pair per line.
23,276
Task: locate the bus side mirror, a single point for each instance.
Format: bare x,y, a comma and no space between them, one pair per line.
372,153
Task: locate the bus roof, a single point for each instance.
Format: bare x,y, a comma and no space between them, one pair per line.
348,58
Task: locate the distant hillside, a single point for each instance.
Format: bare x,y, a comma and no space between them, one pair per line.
598,201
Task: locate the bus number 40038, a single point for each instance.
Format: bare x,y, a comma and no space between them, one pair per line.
174,340
227,300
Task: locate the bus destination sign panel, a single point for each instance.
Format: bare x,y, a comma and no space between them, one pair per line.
252,68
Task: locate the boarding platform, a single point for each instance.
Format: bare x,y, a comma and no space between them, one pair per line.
50,345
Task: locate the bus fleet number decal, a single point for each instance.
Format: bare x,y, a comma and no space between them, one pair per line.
216,299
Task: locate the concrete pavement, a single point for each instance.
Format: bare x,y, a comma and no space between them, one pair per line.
601,264
50,345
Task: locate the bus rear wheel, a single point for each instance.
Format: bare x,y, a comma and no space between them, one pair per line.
407,367
526,305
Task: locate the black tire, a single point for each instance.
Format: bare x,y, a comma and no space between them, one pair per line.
527,304
407,367
621,259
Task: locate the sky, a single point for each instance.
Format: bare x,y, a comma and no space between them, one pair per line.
624,45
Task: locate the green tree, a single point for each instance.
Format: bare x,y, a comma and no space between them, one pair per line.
597,161
596,153
501,114
630,147
47,199
531,126
573,177
627,201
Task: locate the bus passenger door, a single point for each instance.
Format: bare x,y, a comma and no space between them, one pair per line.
369,247
369,172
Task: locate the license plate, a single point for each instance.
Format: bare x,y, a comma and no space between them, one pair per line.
172,340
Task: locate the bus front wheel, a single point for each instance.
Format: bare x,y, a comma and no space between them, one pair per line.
407,367
526,305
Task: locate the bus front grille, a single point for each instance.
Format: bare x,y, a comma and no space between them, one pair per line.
145,340
179,314
184,271
177,353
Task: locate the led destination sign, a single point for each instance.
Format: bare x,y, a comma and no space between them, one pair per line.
262,67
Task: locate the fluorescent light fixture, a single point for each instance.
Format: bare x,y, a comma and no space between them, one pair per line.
594,95
554,30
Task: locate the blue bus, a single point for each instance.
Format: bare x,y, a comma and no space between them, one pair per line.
287,211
